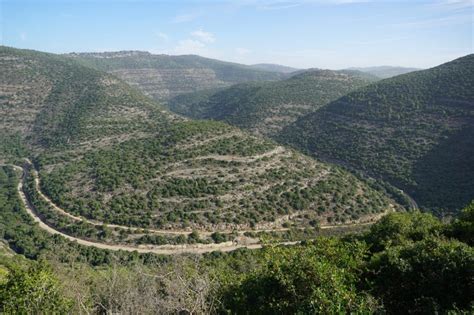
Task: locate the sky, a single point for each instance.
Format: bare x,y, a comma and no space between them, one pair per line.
330,34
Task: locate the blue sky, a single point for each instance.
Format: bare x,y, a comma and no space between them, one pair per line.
301,33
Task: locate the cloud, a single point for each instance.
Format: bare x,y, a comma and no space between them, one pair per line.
190,46
437,22
183,18
23,36
197,44
203,36
242,51
287,4
454,4
279,6
163,36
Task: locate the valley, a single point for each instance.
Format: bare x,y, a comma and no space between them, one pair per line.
239,242
164,182
110,155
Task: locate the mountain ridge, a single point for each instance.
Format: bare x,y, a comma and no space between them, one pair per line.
106,152
394,128
264,108
164,76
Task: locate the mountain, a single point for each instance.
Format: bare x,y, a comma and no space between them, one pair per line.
274,68
266,107
163,76
51,101
416,130
385,72
106,152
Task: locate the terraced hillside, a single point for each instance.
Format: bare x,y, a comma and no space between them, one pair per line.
49,101
163,77
265,108
416,130
106,152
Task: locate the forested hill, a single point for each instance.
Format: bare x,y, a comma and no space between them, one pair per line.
47,100
107,152
417,130
163,76
266,107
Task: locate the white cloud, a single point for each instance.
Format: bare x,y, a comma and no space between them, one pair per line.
454,4
242,51
190,46
163,36
287,4
23,36
438,22
279,6
203,36
183,18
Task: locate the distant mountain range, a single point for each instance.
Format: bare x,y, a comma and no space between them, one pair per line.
385,72
163,76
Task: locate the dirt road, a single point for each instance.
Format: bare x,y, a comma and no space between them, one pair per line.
157,249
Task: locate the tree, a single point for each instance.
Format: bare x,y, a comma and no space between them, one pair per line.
318,278
429,276
463,227
34,290
400,228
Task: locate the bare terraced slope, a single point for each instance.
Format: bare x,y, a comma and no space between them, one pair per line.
106,152
163,77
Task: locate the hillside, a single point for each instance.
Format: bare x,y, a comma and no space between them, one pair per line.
109,154
274,67
163,76
266,107
50,101
385,72
416,130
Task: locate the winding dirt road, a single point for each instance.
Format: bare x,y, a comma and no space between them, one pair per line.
156,249
175,232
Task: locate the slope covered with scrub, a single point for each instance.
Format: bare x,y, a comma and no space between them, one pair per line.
163,76
266,107
416,130
106,152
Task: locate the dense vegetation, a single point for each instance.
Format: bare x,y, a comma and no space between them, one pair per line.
266,107
104,151
51,101
21,234
415,130
406,263
180,179
163,76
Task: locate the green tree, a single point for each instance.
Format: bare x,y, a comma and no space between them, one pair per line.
429,276
463,227
34,290
400,228
317,278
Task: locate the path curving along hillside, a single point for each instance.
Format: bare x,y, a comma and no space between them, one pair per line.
156,249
